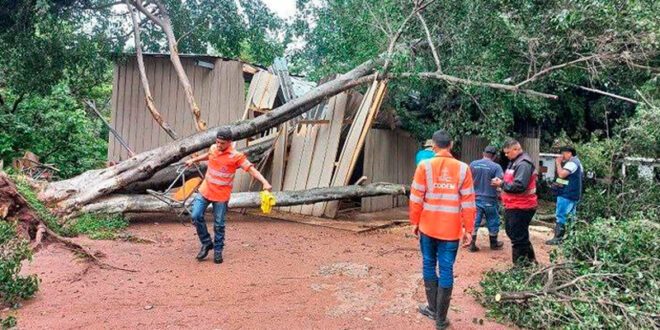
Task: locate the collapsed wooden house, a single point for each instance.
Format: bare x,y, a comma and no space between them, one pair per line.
333,144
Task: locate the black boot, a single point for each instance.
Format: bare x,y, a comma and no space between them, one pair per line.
429,310
217,257
495,244
531,256
473,244
559,235
443,299
204,251
516,255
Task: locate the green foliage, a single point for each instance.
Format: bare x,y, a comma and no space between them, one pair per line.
40,209
13,250
493,41
96,226
55,128
99,226
606,273
8,322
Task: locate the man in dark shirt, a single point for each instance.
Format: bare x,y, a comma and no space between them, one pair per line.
483,172
519,199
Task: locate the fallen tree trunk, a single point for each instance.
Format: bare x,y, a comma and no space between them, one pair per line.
148,203
163,178
72,194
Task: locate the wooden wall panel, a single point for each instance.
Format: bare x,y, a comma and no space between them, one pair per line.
389,156
219,94
472,147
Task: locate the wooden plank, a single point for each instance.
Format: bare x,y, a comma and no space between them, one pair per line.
113,111
169,100
213,92
368,167
279,158
355,140
156,93
293,163
237,90
351,226
306,162
132,108
337,108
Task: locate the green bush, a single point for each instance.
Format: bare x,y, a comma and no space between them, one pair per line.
606,274
55,128
13,250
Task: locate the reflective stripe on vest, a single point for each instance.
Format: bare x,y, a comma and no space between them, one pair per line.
447,197
219,173
416,199
467,191
219,182
441,208
418,187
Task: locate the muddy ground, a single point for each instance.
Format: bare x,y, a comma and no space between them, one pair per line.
276,275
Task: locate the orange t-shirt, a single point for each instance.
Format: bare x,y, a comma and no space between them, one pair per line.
219,178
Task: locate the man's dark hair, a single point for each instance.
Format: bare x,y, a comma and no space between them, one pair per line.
569,149
441,139
510,143
224,133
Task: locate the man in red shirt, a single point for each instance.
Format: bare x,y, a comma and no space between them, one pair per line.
223,161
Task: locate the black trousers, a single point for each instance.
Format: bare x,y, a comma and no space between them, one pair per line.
517,229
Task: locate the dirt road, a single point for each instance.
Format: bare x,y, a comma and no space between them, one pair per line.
276,275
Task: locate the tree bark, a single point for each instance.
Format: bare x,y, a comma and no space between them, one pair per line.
163,178
143,77
76,192
148,203
166,24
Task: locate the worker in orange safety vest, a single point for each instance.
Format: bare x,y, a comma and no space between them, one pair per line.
223,161
442,210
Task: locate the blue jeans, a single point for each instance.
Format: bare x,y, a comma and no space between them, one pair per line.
199,205
490,210
566,209
437,253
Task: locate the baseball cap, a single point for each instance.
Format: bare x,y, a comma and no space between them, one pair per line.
490,150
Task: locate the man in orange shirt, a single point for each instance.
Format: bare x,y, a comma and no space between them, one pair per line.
223,161
442,209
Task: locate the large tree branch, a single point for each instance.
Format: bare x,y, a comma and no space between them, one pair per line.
436,58
456,80
138,4
597,91
419,5
555,67
149,100
149,203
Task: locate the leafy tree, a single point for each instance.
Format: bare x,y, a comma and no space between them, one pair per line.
613,44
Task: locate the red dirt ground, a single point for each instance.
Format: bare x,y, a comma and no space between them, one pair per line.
276,275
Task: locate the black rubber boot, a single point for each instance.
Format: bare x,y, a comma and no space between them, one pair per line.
204,251
443,299
473,244
429,310
531,256
495,244
217,257
516,255
559,235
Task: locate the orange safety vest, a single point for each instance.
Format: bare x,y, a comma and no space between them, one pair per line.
442,198
219,178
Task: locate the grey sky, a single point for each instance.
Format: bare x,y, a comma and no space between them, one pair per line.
283,8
